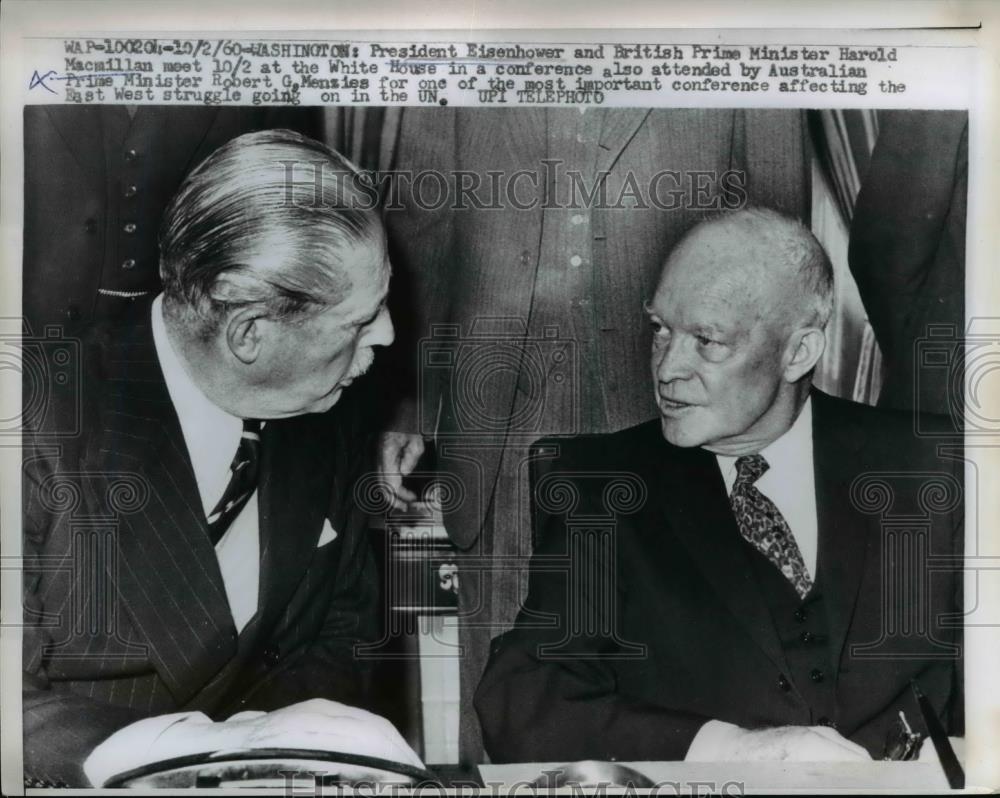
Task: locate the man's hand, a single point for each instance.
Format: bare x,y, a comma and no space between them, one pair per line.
398,455
723,742
317,724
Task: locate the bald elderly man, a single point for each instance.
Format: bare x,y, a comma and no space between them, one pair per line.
726,582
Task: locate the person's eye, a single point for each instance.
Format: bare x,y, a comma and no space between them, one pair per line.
711,348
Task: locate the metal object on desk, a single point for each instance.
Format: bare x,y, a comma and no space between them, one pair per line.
420,644
592,773
421,569
902,743
269,767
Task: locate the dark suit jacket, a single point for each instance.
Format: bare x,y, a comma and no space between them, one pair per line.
626,651
467,267
126,615
91,171
907,252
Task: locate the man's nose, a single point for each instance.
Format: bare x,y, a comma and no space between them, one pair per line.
674,362
382,332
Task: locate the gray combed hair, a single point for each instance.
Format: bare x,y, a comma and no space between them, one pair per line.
274,212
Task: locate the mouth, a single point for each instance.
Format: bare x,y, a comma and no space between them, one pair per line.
673,405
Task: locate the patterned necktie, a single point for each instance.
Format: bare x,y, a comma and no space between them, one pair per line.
245,470
764,526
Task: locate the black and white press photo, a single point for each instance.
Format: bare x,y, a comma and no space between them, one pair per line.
494,411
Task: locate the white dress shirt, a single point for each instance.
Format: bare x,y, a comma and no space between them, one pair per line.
790,483
212,437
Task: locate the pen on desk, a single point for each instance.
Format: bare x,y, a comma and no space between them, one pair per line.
946,754
902,744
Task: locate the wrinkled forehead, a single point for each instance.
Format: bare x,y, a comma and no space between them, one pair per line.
722,267
708,264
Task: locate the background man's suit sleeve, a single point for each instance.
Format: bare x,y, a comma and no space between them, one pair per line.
907,247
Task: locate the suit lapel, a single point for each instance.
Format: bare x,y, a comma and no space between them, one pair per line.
695,506
844,534
620,125
298,458
168,574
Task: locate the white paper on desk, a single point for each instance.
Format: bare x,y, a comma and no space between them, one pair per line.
136,745
315,725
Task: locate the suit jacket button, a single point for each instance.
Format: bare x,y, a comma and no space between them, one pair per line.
807,637
271,655
131,155
90,226
73,312
800,615
783,683
825,721
816,675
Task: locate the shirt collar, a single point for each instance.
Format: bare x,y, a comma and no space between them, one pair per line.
211,435
786,455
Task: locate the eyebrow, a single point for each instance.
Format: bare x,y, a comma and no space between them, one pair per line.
710,329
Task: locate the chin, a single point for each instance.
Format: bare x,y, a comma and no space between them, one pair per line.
681,434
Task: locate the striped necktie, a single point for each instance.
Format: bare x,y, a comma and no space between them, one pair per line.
763,525
245,470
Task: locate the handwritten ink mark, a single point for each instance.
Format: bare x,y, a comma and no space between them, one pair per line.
39,80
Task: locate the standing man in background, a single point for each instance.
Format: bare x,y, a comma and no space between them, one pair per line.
907,254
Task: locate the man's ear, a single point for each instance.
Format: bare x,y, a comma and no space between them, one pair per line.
244,334
805,348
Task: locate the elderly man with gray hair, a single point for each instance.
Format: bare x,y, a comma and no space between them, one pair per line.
748,577
197,574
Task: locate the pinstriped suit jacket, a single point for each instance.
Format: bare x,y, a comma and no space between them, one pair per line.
124,606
